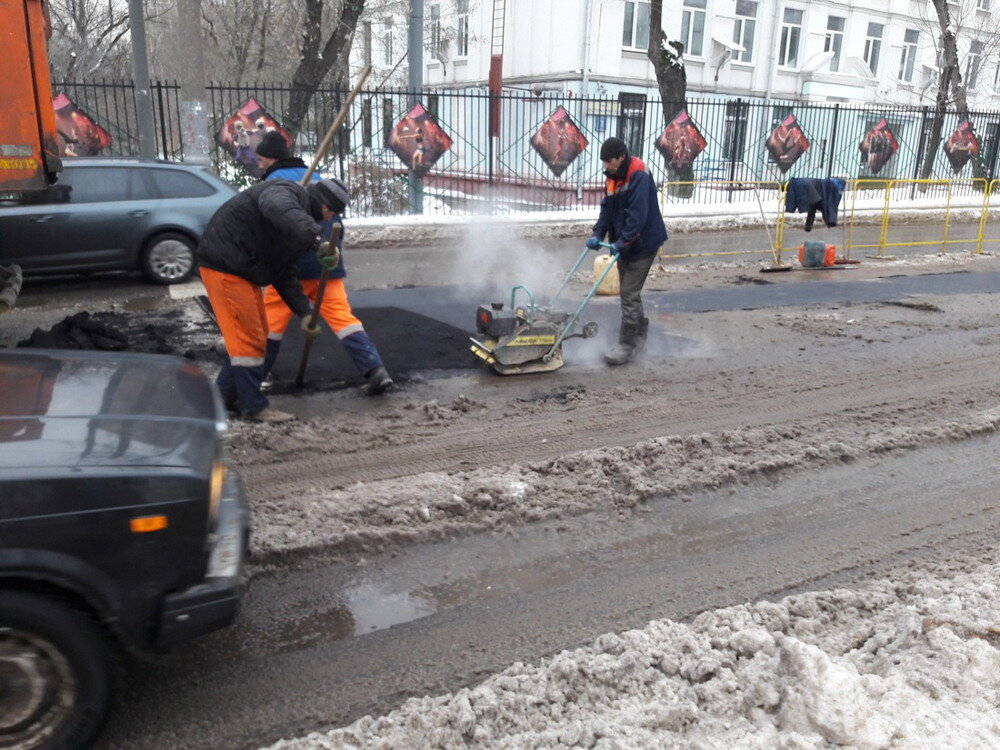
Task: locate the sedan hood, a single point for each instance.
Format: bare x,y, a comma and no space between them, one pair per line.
79,410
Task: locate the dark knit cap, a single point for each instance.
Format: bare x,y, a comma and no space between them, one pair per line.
273,146
613,148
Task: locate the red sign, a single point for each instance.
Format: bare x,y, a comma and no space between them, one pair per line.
878,146
559,141
787,143
418,140
681,142
79,134
961,146
242,131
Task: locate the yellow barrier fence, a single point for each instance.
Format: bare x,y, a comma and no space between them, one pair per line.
873,214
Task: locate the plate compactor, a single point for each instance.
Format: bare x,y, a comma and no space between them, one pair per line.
519,340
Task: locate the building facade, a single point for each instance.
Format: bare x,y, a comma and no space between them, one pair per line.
880,51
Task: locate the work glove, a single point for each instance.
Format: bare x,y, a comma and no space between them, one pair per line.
616,248
328,255
594,243
311,332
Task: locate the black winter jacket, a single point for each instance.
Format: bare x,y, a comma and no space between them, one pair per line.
259,235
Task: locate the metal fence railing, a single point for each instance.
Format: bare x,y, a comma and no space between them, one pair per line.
505,174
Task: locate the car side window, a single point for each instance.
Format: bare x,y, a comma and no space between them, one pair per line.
173,183
104,184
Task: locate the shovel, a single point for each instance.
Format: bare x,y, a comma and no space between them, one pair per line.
320,153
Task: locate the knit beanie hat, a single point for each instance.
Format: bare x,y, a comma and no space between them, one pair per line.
613,148
273,146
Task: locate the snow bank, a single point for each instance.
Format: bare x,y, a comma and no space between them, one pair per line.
900,664
681,218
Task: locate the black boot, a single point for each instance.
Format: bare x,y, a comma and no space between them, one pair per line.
378,382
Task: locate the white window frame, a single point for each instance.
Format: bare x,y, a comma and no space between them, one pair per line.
790,43
873,46
635,25
983,5
834,41
908,57
387,52
693,13
973,64
435,15
461,28
745,29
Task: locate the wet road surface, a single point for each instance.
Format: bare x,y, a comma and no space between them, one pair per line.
321,647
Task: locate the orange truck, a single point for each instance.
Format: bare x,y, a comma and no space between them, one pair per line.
29,153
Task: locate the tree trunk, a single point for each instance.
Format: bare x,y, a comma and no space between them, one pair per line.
951,88
314,65
667,58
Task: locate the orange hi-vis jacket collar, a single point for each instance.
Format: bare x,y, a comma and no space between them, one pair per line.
635,164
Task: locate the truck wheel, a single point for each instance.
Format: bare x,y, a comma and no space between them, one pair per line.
55,674
168,258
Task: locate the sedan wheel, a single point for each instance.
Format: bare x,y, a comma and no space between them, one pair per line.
54,674
169,258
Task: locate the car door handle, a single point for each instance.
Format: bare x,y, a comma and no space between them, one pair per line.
42,219
138,212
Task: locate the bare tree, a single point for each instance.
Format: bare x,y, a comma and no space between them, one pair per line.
667,57
89,38
950,20
321,54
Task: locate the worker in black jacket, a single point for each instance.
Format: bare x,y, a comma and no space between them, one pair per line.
253,241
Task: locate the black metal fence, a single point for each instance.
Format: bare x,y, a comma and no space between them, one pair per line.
503,174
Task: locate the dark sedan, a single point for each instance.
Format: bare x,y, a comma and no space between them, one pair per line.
113,214
119,522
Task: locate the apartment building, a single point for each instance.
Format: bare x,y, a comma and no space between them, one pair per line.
880,51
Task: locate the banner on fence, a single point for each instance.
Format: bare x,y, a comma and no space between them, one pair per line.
418,140
787,143
559,141
681,142
242,131
79,133
878,146
961,146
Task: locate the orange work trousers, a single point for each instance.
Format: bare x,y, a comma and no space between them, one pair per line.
239,310
335,309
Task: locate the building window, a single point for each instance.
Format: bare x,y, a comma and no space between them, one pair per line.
983,5
973,63
834,40
744,28
462,28
908,60
693,27
436,32
734,145
632,121
791,33
873,46
635,33
387,57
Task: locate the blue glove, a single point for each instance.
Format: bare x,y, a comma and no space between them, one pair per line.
594,243
616,248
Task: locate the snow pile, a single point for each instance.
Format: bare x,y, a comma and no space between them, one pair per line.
371,516
905,664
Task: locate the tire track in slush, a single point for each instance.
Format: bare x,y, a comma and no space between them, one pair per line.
547,433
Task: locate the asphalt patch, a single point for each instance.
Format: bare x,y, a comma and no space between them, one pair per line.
408,342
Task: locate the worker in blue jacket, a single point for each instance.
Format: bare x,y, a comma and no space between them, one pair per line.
630,218
277,162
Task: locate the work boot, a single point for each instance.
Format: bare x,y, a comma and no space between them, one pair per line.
640,336
270,415
378,382
622,353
